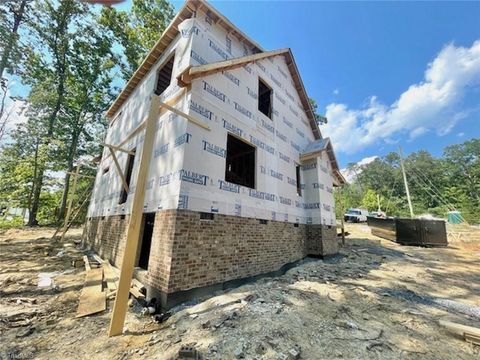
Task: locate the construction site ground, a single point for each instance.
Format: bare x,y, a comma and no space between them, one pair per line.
375,300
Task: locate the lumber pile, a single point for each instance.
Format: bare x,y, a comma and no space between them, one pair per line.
93,297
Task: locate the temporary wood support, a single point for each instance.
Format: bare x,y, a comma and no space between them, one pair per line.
118,148
81,175
135,222
186,116
77,212
119,169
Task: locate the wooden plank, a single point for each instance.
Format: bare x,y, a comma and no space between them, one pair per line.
87,263
460,329
186,116
92,298
137,284
135,292
81,175
135,222
472,339
203,70
119,169
118,148
110,276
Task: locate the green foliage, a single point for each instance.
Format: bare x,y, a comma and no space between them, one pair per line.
320,118
436,185
369,200
70,57
137,30
16,222
346,197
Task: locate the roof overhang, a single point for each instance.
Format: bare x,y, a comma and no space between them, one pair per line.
315,148
186,12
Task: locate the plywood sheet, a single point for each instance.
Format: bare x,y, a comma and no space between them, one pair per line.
92,298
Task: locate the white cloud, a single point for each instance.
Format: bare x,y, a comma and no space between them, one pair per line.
461,134
336,92
426,106
351,172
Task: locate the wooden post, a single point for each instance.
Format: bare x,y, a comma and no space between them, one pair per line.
70,202
343,233
407,191
134,225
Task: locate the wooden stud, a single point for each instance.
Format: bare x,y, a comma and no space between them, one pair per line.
81,175
186,116
87,263
109,275
118,148
135,222
119,169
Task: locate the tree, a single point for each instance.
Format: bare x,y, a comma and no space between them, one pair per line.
86,100
319,118
12,14
369,200
52,29
137,30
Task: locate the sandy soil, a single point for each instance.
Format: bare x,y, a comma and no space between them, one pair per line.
377,300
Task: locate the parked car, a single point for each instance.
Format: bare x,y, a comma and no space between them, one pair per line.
356,215
378,214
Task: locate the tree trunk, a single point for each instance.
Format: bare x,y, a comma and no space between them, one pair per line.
17,19
32,219
71,156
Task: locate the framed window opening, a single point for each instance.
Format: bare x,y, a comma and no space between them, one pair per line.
164,76
264,98
298,180
240,162
128,177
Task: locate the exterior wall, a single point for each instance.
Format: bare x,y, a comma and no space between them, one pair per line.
107,235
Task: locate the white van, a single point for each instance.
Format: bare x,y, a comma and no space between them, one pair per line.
356,215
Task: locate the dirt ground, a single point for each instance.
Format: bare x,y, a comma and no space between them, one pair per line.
376,300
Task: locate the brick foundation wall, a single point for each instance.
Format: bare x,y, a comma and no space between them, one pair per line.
187,252
107,236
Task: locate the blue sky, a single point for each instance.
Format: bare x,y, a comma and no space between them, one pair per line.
349,53
386,74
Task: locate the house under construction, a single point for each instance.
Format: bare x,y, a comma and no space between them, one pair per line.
241,187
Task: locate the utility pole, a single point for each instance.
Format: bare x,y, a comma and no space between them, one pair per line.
405,182
378,202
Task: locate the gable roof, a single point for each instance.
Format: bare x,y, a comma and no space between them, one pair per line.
195,72
186,12
314,149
